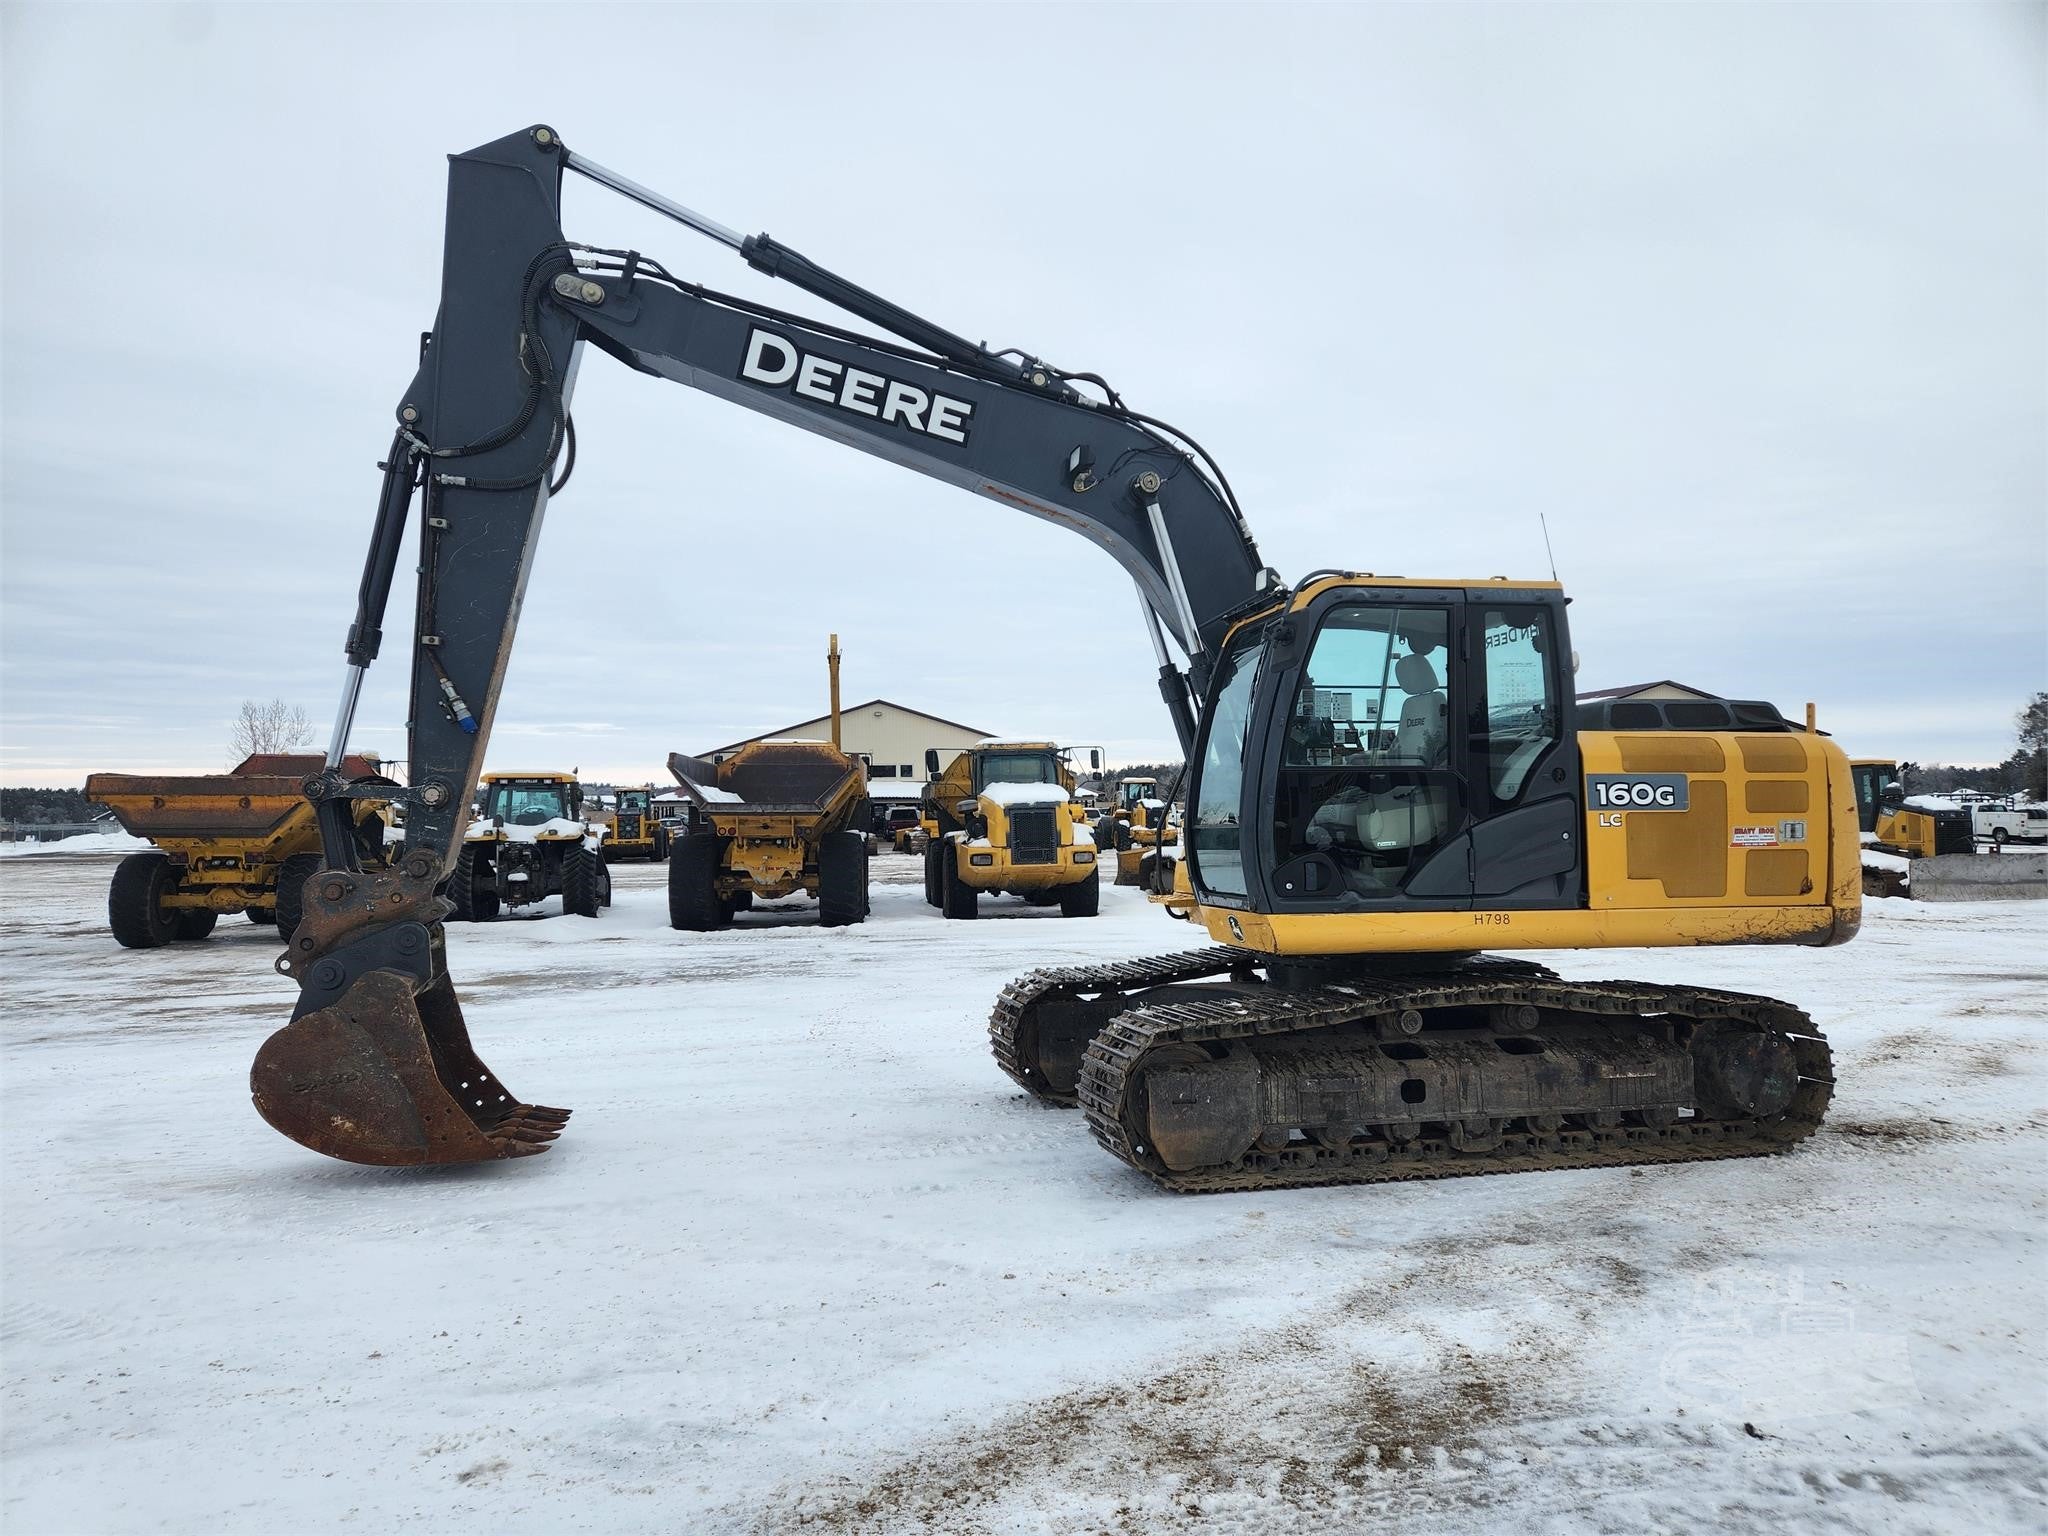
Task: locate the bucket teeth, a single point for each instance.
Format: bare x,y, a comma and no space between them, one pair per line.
386,1077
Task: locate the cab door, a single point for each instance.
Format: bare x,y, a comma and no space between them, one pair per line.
1522,753
1366,762
1419,753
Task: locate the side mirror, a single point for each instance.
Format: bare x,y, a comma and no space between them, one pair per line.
1095,758
931,762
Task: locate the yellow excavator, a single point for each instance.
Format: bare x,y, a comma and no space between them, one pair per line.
1913,829
1386,776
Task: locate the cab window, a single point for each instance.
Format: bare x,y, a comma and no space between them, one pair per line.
1016,768
526,805
1215,836
1522,714
1365,786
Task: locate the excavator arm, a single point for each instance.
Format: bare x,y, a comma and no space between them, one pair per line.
376,1065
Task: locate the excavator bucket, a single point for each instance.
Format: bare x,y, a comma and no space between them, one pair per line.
387,1077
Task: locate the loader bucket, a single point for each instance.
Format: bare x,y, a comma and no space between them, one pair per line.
387,1077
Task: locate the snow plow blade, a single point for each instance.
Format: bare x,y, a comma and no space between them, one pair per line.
388,1077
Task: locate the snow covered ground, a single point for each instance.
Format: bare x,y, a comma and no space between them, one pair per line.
78,842
805,1261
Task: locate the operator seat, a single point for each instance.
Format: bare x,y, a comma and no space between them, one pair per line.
1412,815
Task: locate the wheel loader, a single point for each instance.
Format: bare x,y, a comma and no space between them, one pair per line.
528,842
1000,818
774,819
243,841
1136,826
1392,808
631,829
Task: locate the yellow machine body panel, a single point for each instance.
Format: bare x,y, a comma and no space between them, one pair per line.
1767,852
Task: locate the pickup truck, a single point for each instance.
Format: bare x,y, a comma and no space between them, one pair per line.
2010,823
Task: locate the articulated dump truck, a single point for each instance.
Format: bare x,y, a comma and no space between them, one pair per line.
1003,817
242,841
775,818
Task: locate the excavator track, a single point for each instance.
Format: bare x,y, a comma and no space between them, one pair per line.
1076,1001
1619,1034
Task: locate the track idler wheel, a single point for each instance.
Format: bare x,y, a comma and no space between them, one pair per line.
386,1077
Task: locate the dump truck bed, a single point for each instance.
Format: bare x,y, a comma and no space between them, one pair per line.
240,805
810,782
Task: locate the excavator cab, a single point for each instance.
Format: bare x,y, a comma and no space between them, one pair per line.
1390,743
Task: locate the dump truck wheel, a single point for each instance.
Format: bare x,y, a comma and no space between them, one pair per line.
292,876
584,879
932,888
1084,898
473,888
842,879
659,853
957,899
193,923
693,865
135,908
262,917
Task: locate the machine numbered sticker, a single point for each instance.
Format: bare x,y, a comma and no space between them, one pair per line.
1753,837
1638,791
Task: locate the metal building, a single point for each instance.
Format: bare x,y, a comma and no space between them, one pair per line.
891,738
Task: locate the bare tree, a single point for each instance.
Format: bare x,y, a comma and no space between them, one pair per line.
273,727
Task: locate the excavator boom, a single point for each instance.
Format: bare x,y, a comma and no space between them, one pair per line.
484,436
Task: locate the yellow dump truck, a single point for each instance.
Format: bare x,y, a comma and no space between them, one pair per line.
775,818
242,841
1001,817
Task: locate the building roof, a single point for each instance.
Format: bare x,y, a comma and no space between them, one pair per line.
844,710
1635,688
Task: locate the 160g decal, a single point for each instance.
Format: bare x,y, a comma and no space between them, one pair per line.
1612,794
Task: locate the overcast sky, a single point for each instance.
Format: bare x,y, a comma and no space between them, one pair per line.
1748,300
